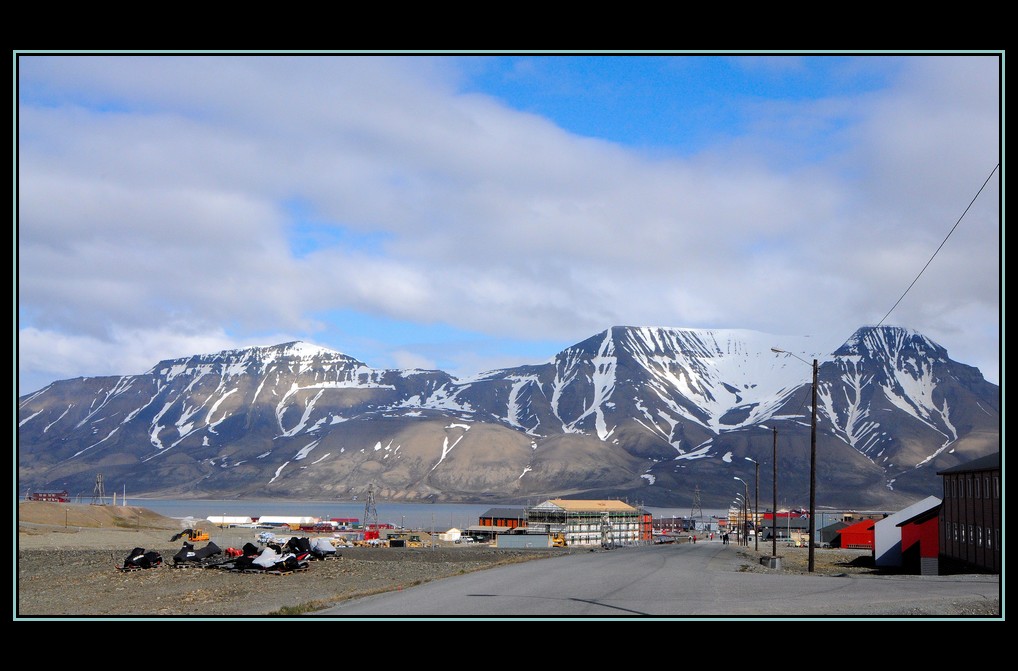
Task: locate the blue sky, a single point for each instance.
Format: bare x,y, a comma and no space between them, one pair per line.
474,212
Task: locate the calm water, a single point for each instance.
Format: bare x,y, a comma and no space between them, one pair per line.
439,516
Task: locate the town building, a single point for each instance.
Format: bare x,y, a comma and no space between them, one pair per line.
888,549
506,518
970,519
920,542
591,522
858,536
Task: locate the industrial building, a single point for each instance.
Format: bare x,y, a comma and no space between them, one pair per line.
591,522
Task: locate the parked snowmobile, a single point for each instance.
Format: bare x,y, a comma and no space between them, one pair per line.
188,557
141,559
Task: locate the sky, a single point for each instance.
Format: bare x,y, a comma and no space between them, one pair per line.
470,212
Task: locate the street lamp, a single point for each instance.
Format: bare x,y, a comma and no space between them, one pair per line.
742,517
745,522
738,503
812,459
756,505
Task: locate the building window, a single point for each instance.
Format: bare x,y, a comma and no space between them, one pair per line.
977,487
963,533
979,536
989,539
969,488
996,487
954,526
972,537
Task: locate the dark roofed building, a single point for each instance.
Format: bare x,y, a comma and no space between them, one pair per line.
970,518
509,518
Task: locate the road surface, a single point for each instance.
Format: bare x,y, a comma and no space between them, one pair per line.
671,581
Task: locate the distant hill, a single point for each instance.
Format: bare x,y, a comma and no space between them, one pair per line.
89,516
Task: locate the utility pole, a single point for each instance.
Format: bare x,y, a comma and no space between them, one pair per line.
813,473
774,519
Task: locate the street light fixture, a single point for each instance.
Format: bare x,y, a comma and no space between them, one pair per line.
746,513
812,459
745,522
743,505
756,506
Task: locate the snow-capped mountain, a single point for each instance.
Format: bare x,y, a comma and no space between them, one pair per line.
650,414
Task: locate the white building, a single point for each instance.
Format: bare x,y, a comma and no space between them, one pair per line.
229,521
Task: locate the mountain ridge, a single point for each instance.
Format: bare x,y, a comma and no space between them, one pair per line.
641,412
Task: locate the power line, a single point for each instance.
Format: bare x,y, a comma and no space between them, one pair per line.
941,244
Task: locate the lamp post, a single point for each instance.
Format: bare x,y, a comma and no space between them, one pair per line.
812,459
745,522
738,512
756,505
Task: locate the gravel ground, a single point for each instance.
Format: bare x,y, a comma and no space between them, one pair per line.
73,573
68,556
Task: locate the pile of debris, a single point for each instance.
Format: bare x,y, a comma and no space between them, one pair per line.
293,556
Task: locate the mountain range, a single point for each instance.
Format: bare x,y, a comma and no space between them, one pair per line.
655,416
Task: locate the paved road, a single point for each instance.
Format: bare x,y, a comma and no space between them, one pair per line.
667,581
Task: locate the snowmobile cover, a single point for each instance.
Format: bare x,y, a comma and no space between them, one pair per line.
185,554
268,558
298,545
139,558
210,550
189,554
321,547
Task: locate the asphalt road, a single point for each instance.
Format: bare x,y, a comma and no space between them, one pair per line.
669,582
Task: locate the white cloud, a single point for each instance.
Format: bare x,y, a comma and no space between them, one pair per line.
153,203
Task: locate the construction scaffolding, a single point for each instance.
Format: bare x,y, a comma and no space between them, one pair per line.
604,523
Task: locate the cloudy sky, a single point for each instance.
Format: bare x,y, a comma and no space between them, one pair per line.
470,212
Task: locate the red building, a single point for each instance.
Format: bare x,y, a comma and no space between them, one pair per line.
920,542
510,518
646,526
858,536
53,497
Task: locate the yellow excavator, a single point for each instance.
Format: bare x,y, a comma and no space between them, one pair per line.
558,540
191,535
